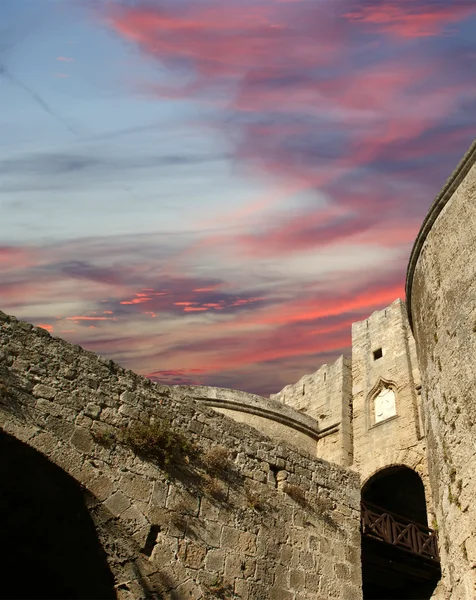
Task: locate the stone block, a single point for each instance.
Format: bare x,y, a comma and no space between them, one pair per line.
192,554
182,501
135,487
44,391
82,439
276,593
215,560
101,487
133,518
117,503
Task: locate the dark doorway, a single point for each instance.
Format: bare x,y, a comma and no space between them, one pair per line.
399,551
50,548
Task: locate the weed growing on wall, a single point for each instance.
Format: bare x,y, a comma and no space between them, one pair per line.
296,494
215,489
255,501
104,437
159,441
217,461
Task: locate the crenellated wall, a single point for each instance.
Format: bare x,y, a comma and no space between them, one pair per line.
326,395
441,292
383,358
344,396
259,520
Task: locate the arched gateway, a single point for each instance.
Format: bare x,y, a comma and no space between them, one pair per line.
399,551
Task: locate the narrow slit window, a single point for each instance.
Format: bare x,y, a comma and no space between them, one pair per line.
151,540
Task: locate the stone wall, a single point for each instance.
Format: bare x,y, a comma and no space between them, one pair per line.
239,517
326,395
441,291
400,438
278,421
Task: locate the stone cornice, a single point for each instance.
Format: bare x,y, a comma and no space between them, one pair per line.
256,405
447,191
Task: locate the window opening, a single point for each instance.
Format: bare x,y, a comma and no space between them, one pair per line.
378,353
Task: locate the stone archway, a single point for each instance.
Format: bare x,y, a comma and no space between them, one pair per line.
400,490
50,546
399,552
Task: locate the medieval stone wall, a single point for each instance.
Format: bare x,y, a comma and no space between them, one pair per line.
326,395
274,419
236,516
383,357
441,288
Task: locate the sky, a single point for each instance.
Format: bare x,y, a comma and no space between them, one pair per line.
211,192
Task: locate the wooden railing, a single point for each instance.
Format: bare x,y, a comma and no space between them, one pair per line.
394,529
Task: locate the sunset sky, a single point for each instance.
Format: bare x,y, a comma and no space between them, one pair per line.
212,191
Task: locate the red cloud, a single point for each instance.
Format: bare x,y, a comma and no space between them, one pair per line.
140,297
268,60
411,19
76,319
13,257
46,326
220,39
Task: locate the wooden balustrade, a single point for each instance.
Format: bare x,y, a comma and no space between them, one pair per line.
399,531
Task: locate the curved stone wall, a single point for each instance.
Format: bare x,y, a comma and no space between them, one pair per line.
441,298
278,421
242,517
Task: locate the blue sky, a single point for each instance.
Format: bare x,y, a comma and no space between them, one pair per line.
211,192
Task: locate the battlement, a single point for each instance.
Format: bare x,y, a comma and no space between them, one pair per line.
343,396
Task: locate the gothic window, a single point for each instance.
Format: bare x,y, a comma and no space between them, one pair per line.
384,405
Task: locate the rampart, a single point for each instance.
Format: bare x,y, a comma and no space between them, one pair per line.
239,516
326,396
272,418
441,294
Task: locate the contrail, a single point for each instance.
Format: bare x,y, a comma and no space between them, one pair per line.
6,74
35,97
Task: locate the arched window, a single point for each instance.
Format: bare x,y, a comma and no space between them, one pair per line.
382,402
384,405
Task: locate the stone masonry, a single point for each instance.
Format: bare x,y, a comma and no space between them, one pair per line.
441,288
275,524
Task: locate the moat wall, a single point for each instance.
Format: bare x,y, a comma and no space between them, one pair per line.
441,292
274,524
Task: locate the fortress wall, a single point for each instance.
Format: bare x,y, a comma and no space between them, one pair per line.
398,439
326,395
441,290
272,418
274,524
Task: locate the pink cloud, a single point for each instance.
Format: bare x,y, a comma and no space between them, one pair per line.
78,318
412,18
14,257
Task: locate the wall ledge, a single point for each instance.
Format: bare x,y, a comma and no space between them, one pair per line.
255,405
